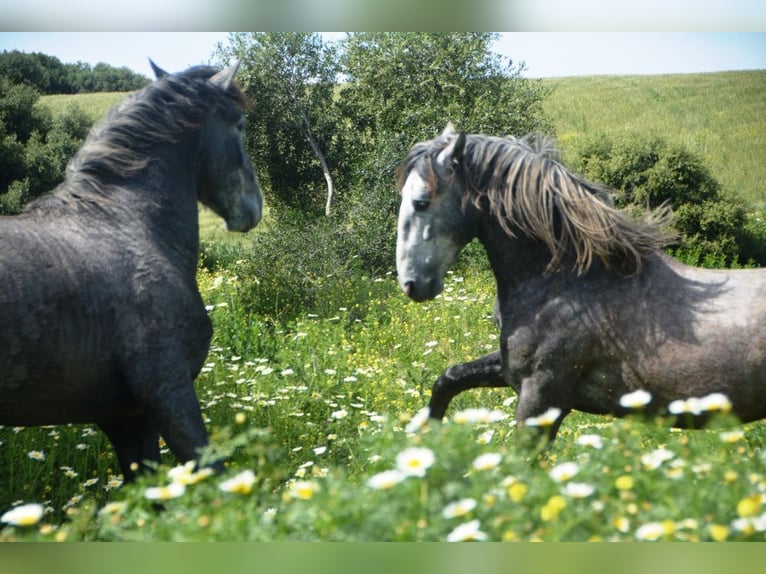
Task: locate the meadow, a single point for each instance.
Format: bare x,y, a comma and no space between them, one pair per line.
314,414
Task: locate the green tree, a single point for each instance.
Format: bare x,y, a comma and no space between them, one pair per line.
291,78
403,87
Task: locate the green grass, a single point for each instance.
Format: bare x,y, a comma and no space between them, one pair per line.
719,116
316,407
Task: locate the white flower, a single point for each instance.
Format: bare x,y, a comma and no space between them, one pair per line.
564,471
636,399
479,415
172,490
418,420
716,402
591,440
339,414
578,489
544,420
655,458
650,531
695,405
36,455
241,483
386,479
414,461
287,372
459,508
319,450
468,531
24,515
691,405
186,474
486,437
733,436
487,461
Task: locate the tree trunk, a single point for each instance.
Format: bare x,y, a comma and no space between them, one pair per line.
323,162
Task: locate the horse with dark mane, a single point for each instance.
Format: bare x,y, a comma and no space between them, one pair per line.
590,309
101,320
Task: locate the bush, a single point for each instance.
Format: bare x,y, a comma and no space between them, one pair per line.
649,171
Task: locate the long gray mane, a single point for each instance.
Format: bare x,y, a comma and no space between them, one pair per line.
527,188
163,112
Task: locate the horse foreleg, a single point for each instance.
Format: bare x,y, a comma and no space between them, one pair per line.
179,421
542,404
483,372
135,443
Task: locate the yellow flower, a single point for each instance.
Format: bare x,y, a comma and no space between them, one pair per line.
718,532
730,476
517,491
750,506
552,508
624,482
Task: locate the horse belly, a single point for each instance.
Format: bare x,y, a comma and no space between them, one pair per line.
57,363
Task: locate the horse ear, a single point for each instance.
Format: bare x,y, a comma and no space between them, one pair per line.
452,155
224,78
158,72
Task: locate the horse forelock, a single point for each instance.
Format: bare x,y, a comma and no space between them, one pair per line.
524,185
165,111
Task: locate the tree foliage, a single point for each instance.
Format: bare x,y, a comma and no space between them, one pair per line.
48,75
649,171
293,125
34,145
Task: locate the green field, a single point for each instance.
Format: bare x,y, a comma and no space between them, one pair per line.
311,410
719,116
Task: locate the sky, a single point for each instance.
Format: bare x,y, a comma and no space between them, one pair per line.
545,54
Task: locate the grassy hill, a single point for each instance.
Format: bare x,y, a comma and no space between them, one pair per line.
719,116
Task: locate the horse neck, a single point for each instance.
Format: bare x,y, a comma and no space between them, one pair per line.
514,260
162,200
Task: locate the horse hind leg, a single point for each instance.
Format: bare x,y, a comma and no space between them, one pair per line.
136,445
483,372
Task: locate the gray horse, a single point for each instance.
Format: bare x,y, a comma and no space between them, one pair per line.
101,320
590,309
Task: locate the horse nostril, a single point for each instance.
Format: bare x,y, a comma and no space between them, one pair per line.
408,287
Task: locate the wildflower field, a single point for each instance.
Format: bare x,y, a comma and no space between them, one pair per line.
315,416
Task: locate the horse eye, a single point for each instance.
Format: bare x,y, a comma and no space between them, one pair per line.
421,204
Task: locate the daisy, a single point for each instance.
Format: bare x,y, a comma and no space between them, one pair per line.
459,508
468,531
655,458
564,471
241,483
24,515
578,489
636,399
479,415
544,420
414,461
487,461
172,490
591,440
716,402
418,420
386,480
650,531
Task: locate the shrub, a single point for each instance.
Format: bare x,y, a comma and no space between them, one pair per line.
649,171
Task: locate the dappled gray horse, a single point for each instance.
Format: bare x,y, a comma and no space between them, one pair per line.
101,320
590,309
